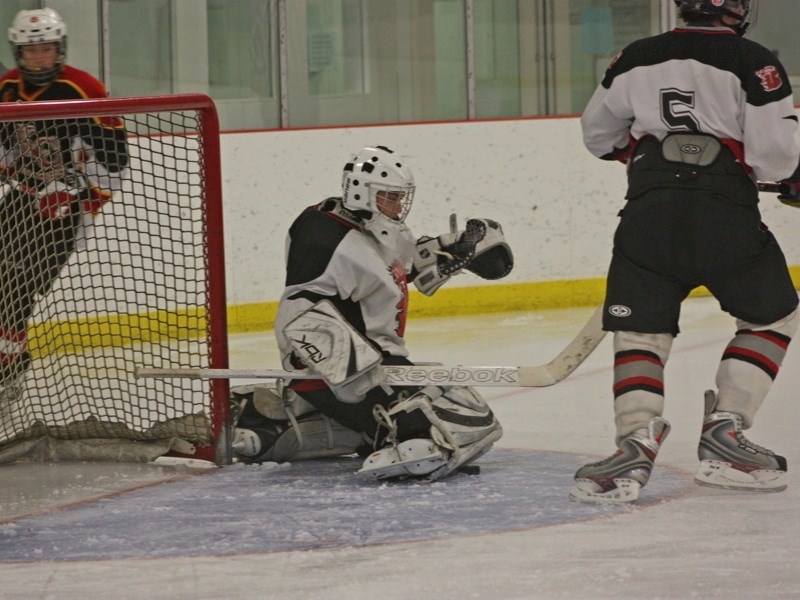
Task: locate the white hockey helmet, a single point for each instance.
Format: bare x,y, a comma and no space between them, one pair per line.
375,177
40,26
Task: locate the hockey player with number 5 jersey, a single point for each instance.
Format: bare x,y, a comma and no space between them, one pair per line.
349,260
55,174
699,114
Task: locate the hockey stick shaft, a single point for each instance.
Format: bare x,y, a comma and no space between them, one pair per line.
787,193
548,374
773,188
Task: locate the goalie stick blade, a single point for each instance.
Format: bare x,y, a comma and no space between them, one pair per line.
569,359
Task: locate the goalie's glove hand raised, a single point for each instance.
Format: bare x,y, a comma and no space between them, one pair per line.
480,248
457,255
493,258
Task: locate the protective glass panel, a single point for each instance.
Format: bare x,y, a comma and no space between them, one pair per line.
375,61
140,33
598,29
776,28
335,47
497,68
243,62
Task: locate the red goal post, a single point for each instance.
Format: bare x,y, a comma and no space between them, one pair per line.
143,284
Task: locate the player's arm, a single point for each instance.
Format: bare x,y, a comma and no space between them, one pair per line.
100,144
770,119
605,134
100,151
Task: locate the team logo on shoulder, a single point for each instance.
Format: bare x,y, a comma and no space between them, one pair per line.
770,78
614,60
618,310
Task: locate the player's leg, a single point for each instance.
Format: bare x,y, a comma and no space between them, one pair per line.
276,424
762,297
20,243
638,405
642,309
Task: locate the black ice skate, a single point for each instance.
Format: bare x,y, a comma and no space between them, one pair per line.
618,478
730,461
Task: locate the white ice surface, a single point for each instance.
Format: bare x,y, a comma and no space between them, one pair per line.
692,542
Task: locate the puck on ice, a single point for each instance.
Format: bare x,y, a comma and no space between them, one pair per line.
470,470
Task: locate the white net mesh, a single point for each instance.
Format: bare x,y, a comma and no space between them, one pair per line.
87,294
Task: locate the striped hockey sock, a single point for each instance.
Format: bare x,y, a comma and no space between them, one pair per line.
749,365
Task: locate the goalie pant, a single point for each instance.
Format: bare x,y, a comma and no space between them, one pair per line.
37,236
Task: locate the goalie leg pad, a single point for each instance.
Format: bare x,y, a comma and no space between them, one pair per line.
312,436
270,400
463,428
346,360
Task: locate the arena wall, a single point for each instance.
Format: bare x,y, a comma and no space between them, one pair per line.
557,203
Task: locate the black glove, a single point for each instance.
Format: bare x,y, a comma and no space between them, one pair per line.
790,193
460,253
493,256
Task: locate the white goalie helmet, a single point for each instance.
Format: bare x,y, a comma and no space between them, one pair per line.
375,177
378,185
38,27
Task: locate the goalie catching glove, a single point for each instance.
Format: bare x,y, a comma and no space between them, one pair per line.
481,248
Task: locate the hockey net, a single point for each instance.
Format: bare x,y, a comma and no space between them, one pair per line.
139,282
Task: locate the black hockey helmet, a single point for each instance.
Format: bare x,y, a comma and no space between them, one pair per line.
691,9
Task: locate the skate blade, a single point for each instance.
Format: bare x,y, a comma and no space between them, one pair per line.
585,490
413,458
465,456
719,474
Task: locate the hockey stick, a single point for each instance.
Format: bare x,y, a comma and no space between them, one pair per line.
569,359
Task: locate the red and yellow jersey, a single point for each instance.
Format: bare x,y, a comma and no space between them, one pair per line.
94,146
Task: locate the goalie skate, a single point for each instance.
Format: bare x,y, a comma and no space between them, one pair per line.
730,461
463,428
412,458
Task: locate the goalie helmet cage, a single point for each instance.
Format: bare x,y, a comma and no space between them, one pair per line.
146,288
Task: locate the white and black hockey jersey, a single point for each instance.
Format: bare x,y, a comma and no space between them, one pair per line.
329,257
698,79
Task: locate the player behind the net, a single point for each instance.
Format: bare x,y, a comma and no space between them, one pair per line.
55,175
343,313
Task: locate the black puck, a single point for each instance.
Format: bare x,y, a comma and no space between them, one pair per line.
470,470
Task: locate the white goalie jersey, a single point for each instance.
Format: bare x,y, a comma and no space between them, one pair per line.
329,257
